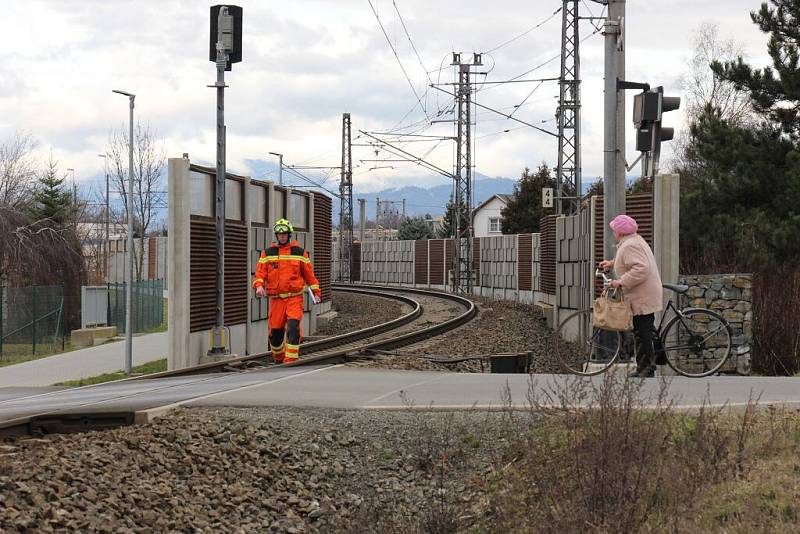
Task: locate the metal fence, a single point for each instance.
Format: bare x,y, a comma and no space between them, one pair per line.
32,320
147,305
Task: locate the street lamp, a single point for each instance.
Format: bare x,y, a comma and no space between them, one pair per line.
129,278
74,189
280,167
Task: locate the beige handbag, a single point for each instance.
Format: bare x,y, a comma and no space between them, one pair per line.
612,312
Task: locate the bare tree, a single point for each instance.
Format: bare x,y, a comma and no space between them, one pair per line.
38,243
17,169
702,87
148,163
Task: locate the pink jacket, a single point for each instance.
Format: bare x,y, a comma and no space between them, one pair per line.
636,267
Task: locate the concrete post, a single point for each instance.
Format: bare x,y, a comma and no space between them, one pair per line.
362,218
179,196
616,11
613,194
312,308
271,210
666,226
248,220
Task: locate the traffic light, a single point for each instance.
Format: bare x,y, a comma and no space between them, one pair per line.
648,109
231,34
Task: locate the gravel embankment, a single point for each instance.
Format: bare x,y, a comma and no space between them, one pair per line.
248,470
359,311
501,327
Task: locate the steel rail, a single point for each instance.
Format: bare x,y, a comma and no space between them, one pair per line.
335,348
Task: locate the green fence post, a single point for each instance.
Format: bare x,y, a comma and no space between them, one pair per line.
1,321
152,300
34,319
64,323
108,304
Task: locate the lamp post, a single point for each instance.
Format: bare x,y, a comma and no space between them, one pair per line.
129,277
280,167
74,189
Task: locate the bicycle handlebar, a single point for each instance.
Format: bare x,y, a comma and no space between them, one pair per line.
602,274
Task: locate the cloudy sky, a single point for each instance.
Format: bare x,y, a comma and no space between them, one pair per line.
307,61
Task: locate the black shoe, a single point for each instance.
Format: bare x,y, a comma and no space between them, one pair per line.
646,372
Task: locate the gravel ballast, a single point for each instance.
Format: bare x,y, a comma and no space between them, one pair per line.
248,469
359,311
501,327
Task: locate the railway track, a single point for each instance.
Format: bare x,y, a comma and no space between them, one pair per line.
116,403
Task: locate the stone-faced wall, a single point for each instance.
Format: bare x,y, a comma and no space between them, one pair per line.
732,296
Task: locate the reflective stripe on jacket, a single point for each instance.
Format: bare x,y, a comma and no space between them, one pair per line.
285,271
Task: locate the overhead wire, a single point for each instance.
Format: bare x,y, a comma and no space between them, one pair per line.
540,65
516,108
394,50
411,42
526,32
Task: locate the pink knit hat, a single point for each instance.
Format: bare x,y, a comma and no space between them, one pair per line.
624,225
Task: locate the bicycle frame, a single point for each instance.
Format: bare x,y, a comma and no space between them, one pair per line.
681,313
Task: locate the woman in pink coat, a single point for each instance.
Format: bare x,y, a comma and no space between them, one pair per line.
636,267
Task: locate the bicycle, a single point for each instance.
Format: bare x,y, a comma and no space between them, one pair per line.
694,342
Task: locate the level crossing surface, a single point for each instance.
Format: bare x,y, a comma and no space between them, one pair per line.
349,387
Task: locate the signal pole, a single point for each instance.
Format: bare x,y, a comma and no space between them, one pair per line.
462,230
226,39
346,203
614,121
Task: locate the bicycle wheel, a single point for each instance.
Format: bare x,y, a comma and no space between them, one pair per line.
583,349
697,343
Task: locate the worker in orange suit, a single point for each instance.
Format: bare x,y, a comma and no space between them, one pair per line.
282,274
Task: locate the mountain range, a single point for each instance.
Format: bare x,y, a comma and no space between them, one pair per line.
432,200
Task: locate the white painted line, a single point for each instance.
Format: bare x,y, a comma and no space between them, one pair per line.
404,388
145,416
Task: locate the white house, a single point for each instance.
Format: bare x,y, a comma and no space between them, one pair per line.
487,218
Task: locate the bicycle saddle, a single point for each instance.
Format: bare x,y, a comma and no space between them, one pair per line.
677,288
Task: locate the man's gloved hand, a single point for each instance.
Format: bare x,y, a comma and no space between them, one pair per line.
317,300
260,292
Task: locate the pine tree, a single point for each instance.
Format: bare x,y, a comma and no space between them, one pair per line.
775,90
52,206
415,228
449,220
741,182
523,213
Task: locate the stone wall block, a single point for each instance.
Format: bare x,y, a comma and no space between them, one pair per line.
730,293
743,282
721,304
696,291
733,316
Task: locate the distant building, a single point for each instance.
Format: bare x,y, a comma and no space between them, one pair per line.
487,218
370,234
435,223
92,234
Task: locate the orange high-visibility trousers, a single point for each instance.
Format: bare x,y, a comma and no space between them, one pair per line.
285,315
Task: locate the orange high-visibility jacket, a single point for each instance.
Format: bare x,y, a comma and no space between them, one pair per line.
285,271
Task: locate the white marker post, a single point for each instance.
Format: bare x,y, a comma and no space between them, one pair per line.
547,197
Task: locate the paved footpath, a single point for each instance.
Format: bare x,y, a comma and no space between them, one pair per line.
84,363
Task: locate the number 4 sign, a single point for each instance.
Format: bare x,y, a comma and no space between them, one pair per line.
547,197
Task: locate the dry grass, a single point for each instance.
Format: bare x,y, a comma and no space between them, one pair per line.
606,458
